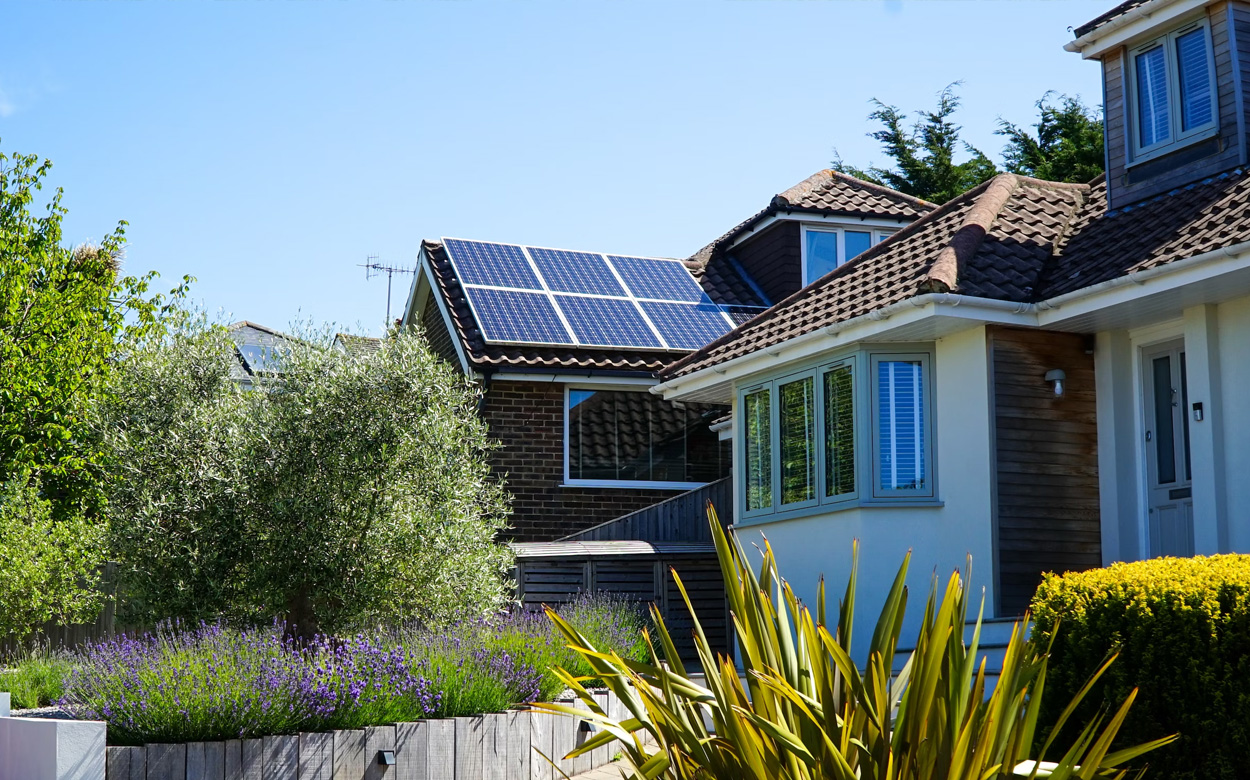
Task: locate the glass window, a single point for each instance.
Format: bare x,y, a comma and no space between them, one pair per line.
1193,67
1153,122
634,436
820,253
839,431
757,433
901,447
798,440
857,241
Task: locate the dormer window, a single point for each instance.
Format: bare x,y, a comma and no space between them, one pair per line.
826,248
1173,91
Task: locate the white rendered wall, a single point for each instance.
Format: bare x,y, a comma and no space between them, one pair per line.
940,538
1233,320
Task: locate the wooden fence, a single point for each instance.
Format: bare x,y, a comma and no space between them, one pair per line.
504,746
682,518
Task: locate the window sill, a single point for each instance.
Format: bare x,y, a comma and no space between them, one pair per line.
628,485
831,509
1175,146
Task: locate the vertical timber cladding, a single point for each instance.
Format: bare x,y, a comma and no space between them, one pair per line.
1046,461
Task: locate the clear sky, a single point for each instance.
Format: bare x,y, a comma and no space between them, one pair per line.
268,146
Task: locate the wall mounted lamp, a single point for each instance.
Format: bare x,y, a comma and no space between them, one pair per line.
386,758
1056,377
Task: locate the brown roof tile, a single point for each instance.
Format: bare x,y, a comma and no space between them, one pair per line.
1013,239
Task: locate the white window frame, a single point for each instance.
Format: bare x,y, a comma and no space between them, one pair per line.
863,362
1178,137
610,483
926,401
877,236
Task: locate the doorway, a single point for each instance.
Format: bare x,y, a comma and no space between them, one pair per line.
1169,474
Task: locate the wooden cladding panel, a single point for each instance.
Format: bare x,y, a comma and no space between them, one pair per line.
773,259
1046,458
682,518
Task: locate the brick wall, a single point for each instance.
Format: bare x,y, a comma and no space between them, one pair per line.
528,420
435,329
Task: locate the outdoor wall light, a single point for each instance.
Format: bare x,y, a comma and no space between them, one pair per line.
386,758
1056,377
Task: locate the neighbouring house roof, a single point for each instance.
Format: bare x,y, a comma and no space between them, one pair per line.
1011,239
353,344
825,192
254,345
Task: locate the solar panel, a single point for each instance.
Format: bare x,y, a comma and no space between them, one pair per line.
496,265
607,322
665,280
517,316
687,326
576,272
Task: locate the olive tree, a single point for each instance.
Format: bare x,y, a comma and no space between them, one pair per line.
350,489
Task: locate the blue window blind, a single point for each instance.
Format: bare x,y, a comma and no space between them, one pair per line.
1153,122
1195,79
900,421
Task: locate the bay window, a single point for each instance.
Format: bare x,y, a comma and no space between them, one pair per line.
855,431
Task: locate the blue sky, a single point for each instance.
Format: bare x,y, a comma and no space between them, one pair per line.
268,146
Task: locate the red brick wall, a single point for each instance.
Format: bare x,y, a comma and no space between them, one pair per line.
528,420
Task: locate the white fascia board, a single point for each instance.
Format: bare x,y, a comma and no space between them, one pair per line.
573,379
410,308
1143,19
838,220
875,325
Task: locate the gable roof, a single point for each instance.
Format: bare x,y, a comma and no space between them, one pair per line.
1011,239
825,192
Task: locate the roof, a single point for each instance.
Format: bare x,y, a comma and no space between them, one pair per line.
1114,13
1012,239
723,285
250,334
357,344
826,192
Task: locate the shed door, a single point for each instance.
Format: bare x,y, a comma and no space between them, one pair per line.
1169,474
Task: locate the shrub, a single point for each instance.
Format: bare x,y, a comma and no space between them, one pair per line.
806,711
1182,630
37,678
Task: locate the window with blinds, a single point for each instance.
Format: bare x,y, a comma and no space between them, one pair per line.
757,443
839,401
798,441
1173,91
900,427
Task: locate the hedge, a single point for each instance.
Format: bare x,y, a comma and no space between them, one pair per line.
1182,628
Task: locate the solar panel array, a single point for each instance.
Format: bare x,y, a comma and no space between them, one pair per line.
532,295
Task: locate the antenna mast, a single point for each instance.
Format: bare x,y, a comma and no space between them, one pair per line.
374,268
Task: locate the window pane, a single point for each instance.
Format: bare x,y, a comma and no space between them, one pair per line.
821,253
757,430
1152,97
900,433
1165,438
1195,78
798,441
856,242
634,435
839,432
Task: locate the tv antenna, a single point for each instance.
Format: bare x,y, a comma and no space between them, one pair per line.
373,268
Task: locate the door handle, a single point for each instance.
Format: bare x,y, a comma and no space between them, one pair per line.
1147,435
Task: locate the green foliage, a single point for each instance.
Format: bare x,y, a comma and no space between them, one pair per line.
1181,627
1066,143
924,154
354,490
63,314
805,710
37,678
48,566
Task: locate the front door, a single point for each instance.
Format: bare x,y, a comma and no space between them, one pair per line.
1169,477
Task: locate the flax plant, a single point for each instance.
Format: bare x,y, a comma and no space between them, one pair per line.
802,709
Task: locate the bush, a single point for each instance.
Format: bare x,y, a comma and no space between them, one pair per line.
37,678
1182,627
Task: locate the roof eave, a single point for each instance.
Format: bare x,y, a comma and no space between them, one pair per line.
1117,31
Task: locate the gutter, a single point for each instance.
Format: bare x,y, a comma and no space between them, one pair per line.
1142,11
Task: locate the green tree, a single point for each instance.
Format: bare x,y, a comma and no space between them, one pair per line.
64,313
924,153
1065,144
354,489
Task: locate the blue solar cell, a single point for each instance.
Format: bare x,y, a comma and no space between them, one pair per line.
497,265
687,326
606,322
576,272
517,316
666,280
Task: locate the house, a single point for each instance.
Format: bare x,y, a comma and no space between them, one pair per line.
1043,376
565,346
257,351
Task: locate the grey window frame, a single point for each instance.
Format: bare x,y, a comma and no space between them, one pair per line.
1178,138
926,371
